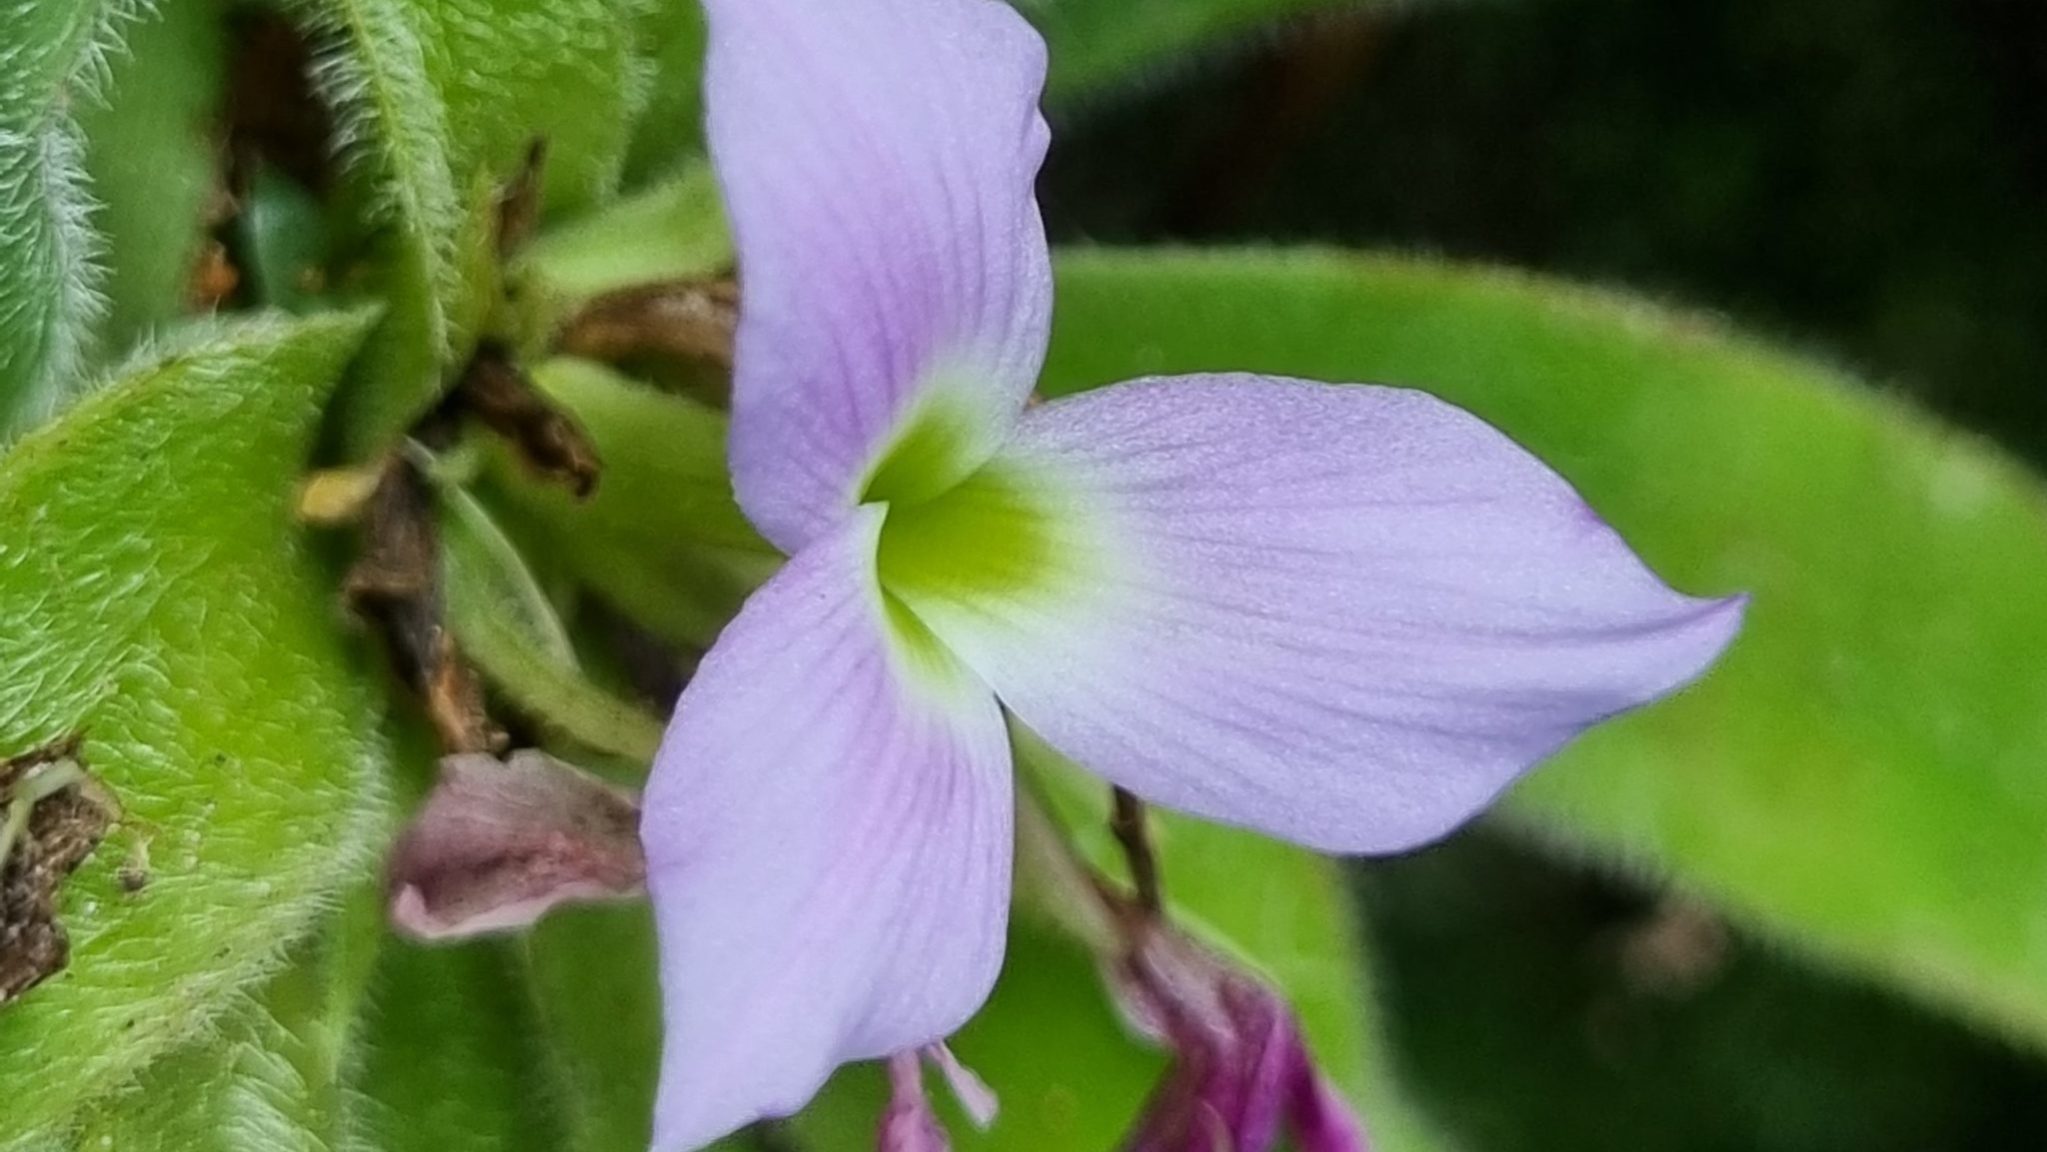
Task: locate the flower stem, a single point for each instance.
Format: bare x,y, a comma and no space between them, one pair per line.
1133,832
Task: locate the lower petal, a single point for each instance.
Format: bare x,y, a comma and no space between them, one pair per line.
828,847
1348,616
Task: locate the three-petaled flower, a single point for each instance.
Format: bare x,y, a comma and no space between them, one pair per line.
1343,615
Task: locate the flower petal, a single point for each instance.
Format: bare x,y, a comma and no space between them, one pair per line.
828,846
1347,616
877,159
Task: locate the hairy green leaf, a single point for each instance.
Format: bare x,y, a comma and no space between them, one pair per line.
431,233
159,598
150,153
1860,776
52,56
272,1075
515,71
670,132
663,538
451,1062
440,104
599,1007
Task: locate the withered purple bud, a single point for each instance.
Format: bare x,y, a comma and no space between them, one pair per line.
497,844
1241,1072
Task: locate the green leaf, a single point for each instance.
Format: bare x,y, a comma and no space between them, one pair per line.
670,132
451,1062
48,281
159,598
1542,1008
507,626
662,539
284,237
514,71
150,151
672,231
1860,775
442,102
1096,46
272,1076
392,127
599,1007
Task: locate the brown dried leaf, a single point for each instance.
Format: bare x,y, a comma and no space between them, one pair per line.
690,321
395,584
496,391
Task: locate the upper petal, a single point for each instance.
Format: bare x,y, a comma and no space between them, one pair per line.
1347,616
828,847
877,158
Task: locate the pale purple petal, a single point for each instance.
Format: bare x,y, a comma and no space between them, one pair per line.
1343,615
497,844
828,847
877,158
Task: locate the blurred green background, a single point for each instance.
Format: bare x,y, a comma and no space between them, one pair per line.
1865,181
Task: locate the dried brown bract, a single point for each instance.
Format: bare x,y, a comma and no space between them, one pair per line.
686,321
497,392
396,585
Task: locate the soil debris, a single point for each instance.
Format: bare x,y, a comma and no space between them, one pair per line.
52,816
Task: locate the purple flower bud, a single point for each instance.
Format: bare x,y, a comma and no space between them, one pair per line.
1241,1073
498,844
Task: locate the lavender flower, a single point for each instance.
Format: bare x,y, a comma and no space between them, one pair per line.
1345,616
